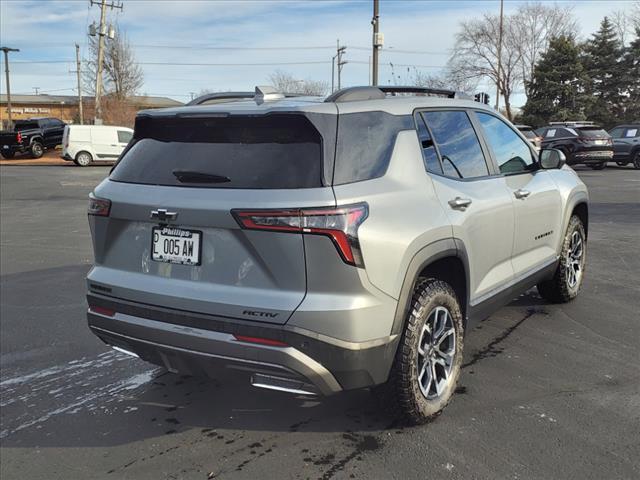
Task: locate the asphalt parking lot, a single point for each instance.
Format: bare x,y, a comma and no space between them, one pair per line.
547,391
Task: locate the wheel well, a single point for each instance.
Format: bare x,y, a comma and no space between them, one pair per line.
84,151
450,270
582,211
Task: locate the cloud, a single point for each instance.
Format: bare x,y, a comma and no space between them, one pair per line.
410,25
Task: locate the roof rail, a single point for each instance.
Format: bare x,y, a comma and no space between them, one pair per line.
352,94
220,97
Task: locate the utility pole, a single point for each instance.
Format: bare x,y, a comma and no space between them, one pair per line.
78,73
101,34
6,51
377,42
499,77
36,89
339,52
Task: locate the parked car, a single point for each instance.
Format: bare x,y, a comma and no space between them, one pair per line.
532,136
31,136
626,144
321,245
84,144
581,142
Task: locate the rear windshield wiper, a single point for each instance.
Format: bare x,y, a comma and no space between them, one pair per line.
187,176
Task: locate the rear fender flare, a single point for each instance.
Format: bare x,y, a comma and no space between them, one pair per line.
429,254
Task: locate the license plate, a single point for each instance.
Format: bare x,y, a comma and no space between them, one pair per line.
176,245
600,142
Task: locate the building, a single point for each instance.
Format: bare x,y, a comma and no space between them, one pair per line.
65,107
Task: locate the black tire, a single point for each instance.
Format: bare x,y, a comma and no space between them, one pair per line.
621,164
560,288
403,394
8,154
83,159
599,166
636,160
36,149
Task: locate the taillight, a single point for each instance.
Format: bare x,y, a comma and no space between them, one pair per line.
99,206
260,341
19,137
340,224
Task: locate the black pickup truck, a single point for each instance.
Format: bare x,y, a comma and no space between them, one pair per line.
33,136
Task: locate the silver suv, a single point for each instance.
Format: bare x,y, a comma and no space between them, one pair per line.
319,245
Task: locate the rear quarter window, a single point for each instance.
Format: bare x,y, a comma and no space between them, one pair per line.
365,144
280,151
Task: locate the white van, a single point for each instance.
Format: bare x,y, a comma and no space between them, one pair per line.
84,144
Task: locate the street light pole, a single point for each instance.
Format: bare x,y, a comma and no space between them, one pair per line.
6,51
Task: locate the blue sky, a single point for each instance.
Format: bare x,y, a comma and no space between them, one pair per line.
197,30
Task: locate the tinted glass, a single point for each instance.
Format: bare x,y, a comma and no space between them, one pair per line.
124,136
271,151
365,143
593,133
529,133
429,155
26,125
458,144
617,133
512,152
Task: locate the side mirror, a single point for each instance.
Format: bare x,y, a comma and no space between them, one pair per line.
552,158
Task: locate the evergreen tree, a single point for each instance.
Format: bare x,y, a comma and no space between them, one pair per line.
557,87
603,61
631,64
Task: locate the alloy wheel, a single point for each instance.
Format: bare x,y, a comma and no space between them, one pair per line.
436,352
574,259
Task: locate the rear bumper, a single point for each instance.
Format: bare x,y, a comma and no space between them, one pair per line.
591,157
198,344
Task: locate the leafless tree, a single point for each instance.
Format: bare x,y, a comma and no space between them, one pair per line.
122,76
475,55
534,25
286,83
635,15
449,79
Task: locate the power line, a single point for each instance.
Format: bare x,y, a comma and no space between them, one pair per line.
319,62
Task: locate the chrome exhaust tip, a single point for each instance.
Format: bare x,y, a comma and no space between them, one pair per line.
280,384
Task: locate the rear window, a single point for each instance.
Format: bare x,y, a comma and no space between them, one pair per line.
25,126
365,143
593,133
528,133
262,152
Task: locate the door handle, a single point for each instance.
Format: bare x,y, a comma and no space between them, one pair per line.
460,203
114,144
521,193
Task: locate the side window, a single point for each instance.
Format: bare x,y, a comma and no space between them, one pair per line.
617,132
550,133
458,144
45,123
365,143
124,136
429,155
512,152
631,133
